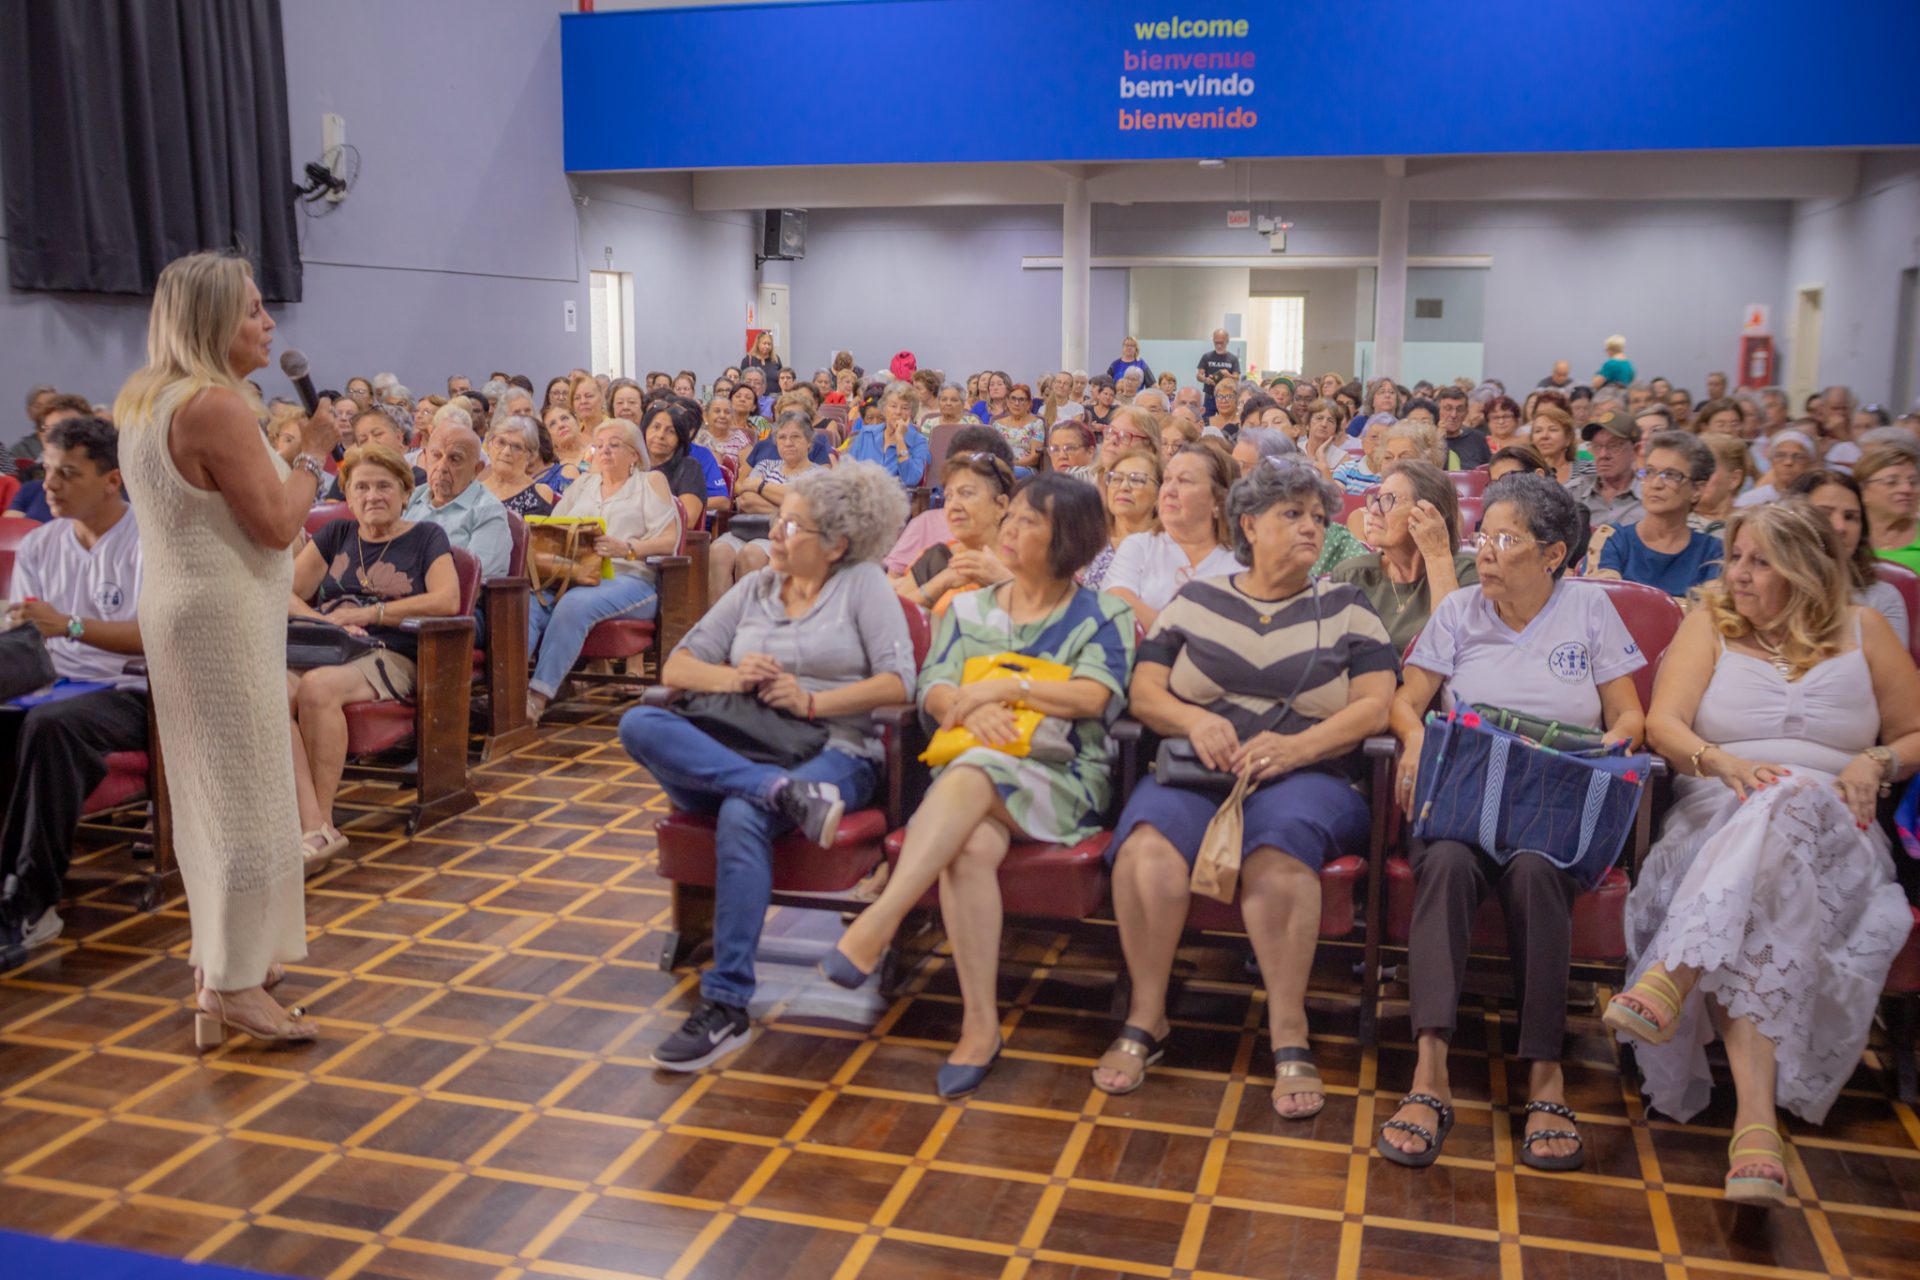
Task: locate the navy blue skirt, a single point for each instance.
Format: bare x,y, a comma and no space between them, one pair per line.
1311,816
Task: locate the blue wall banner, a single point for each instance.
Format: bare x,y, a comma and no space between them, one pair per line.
914,81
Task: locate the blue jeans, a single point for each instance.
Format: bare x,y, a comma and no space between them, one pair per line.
565,625
701,776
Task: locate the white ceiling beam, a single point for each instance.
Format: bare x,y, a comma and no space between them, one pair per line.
1274,262
1712,175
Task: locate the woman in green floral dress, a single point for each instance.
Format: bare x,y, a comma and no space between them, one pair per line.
985,799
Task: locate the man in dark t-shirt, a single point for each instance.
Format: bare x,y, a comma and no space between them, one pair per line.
1217,364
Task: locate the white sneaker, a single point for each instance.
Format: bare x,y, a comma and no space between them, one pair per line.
44,930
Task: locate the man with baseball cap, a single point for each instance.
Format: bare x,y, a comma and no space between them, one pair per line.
1608,492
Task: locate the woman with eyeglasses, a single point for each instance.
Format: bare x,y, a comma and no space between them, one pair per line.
1502,423
1836,495
1524,639
1281,675
1413,519
986,798
1149,568
1661,549
1130,492
1890,482
817,635
1070,450
978,487
1025,434
1131,428
1767,914
637,514
513,465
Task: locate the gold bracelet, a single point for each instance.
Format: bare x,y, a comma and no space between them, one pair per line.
1694,759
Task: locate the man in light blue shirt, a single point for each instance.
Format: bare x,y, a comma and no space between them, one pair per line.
473,518
893,442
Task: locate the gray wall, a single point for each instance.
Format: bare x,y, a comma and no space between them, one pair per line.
944,283
1854,251
456,249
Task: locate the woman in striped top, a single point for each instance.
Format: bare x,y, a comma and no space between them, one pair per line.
1283,674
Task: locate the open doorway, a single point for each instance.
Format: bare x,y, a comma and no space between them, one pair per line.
610,322
1803,378
1906,342
1277,326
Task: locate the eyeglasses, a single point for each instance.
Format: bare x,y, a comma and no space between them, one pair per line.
1502,543
1381,502
1664,476
1896,481
1063,450
1129,480
785,529
1126,437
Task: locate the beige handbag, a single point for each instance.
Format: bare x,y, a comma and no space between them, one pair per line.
1216,872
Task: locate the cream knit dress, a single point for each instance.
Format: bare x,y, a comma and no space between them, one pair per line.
213,619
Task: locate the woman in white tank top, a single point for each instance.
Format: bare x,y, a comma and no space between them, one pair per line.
219,515
1770,893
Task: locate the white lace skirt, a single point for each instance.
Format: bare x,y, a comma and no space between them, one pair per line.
1792,915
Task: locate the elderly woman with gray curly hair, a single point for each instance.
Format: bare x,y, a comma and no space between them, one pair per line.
1281,675
819,635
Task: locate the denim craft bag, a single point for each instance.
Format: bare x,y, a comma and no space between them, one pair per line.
1486,786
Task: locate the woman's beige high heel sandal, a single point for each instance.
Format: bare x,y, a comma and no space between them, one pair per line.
210,1026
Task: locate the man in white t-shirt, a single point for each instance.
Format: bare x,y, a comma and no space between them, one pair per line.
77,581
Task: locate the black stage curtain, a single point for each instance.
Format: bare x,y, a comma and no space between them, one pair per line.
135,131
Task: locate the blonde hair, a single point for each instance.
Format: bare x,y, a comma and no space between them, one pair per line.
1729,451
1616,343
199,304
1144,421
1801,546
376,455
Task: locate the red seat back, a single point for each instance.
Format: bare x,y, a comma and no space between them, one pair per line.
325,514
918,630
517,538
940,443
466,567
6,573
13,531
9,486
1651,617
1350,504
1907,583
1469,484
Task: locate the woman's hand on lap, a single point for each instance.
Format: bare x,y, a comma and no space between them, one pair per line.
1743,776
755,670
1215,741
783,693
1859,786
992,724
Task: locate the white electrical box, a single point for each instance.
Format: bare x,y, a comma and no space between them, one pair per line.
570,316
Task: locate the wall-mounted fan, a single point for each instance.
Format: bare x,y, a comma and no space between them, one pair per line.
328,180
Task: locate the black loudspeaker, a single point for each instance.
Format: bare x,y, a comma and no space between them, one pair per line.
784,234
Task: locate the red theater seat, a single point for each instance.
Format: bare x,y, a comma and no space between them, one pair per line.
1042,881
804,874
643,645
1907,583
435,719
1469,484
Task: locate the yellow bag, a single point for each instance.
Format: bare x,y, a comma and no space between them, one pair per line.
949,744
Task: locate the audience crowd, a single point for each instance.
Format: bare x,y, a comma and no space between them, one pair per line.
1270,569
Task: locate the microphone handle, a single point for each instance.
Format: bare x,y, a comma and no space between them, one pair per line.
303,385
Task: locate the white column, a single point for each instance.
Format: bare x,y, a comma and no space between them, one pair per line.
1390,287
1076,273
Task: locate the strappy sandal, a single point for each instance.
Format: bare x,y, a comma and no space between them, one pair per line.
1417,1159
210,1026
1767,1192
1552,1164
1294,1072
1654,991
1131,1046
316,857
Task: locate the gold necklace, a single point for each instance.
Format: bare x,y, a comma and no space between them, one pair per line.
1774,657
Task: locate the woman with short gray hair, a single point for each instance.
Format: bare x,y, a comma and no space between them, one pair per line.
1256,444
817,635
1662,549
1526,640
1273,673
513,463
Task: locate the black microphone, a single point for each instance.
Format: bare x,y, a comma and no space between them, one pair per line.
293,363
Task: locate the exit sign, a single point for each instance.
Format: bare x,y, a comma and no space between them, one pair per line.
1239,219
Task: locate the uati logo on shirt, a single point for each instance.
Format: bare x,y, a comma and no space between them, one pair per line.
1569,662
108,598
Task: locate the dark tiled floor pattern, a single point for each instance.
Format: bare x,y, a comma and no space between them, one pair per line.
480,1105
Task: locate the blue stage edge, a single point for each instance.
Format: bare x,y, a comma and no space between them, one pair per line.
34,1256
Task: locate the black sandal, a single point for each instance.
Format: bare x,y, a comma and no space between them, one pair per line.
1294,1072
1552,1164
1417,1159
1132,1042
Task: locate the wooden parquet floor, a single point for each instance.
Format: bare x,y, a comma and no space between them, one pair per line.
481,1105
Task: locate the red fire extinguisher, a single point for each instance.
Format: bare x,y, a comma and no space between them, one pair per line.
1756,360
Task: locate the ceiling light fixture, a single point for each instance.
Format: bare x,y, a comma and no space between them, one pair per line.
1213,163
